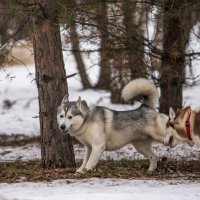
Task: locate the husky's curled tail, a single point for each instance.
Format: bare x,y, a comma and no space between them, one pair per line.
141,87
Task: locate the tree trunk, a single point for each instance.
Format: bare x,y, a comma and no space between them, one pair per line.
119,78
134,19
120,68
77,55
5,21
129,63
177,26
102,21
56,149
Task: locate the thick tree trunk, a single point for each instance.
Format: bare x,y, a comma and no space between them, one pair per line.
56,149
78,57
177,26
102,21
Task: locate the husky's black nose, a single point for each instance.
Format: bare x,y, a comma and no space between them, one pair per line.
62,127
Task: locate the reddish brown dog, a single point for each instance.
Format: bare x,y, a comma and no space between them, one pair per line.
184,125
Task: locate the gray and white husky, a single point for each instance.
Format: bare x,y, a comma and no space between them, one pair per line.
99,128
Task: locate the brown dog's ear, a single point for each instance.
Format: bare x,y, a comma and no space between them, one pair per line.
188,110
65,99
78,103
172,114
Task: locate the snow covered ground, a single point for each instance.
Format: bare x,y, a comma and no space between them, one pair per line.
32,151
101,189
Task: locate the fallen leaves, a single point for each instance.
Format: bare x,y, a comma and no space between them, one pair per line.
20,171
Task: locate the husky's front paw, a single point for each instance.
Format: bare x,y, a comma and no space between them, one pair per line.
153,166
80,171
83,170
151,169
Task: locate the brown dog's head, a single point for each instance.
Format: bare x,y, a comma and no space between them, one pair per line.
176,129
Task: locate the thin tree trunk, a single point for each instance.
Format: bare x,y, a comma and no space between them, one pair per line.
78,57
102,21
119,60
128,64
56,149
134,22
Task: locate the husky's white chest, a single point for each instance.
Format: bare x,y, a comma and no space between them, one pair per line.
92,135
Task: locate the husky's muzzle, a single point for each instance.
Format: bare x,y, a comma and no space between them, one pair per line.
63,128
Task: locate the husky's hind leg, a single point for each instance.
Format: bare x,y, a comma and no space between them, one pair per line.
144,147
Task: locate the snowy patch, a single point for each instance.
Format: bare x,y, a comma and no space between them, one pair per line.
101,189
32,152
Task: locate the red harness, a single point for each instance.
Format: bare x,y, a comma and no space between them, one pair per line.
187,125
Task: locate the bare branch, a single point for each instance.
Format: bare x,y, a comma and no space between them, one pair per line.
71,75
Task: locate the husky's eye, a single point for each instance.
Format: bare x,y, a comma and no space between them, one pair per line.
69,117
61,116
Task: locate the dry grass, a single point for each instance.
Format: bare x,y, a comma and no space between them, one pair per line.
128,169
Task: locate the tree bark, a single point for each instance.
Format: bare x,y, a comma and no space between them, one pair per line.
57,149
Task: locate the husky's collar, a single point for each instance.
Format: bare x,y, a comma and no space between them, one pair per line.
187,125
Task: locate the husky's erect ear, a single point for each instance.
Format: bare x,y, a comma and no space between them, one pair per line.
65,99
78,103
172,114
